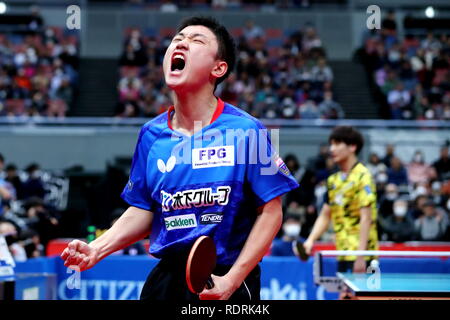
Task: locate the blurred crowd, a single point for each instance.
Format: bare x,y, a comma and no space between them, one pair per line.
278,75
411,73
38,73
30,204
413,198
175,5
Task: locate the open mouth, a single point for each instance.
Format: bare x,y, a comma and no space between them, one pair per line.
178,62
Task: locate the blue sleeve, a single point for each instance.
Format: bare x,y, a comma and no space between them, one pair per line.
136,192
266,173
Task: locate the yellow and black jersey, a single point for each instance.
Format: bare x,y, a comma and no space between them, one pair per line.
346,195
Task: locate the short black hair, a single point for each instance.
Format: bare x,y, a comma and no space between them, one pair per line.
347,135
227,47
11,167
292,157
32,167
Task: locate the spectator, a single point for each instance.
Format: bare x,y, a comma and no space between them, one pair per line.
310,39
11,234
381,180
319,161
421,106
430,43
33,69
5,195
129,89
270,82
436,193
128,109
291,231
330,109
136,41
65,91
418,170
397,173
386,202
432,225
390,82
33,186
309,110
252,31
303,196
419,189
381,75
390,153
442,165
330,168
168,6
399,100
398,227
13,178
419,64
322,72
219,4
39,104
57,108
389,23
407,76
418,209
375,165
41,219
131,57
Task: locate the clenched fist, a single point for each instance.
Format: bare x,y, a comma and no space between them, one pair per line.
79,255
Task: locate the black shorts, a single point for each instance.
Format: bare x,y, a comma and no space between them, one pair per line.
167,281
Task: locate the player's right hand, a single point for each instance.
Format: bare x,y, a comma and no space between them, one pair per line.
308,245
79,255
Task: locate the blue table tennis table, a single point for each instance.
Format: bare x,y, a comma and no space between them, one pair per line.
397,286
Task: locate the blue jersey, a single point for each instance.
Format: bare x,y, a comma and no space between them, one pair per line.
210,183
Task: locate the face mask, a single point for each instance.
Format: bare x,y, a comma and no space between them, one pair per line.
429,114
436,186
382,178
291,230
394,56
400,211
36,174
418,158
421,190
391,196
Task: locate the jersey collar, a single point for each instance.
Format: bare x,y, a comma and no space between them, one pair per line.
217,112
344,176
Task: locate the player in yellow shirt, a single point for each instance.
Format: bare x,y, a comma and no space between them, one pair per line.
350,202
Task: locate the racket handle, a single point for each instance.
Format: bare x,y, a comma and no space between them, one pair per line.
209,283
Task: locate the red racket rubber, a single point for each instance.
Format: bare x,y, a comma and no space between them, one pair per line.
200,265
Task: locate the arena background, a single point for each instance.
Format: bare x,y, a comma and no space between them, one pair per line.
72,102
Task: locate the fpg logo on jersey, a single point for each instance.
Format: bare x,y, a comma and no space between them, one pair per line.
212,157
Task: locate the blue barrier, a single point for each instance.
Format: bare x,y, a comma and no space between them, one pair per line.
35,286
282,278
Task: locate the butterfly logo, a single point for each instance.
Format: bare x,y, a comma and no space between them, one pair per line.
166,167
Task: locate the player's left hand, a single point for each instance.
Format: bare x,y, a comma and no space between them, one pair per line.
222,290
360,265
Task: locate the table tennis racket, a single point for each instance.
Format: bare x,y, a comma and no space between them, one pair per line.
200,265
299,250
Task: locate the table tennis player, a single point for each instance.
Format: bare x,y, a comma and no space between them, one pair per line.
192,175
